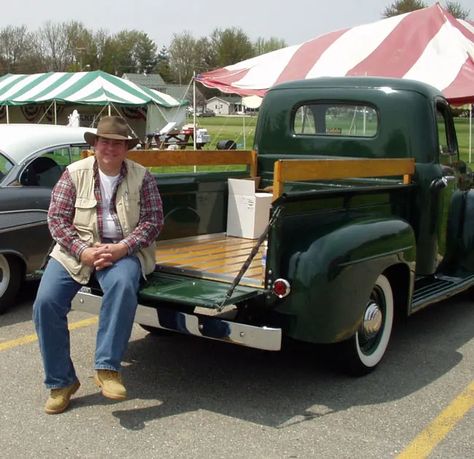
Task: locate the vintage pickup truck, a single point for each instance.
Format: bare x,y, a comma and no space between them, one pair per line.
372,217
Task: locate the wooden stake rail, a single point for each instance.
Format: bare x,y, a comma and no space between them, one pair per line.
287,170
165,158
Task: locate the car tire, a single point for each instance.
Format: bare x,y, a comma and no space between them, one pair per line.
10,280
362,353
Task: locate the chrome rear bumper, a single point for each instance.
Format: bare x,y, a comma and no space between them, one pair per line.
210,327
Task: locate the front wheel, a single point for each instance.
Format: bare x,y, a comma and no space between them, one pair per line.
364,351
10,280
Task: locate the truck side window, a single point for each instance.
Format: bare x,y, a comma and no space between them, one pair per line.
335,120
446,139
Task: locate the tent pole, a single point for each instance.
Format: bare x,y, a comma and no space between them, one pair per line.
243,125
470,133
109,110
55,112
8,115
194,110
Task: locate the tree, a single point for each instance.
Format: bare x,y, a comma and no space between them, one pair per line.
69,46
144,53
205,56
231,46
162,66
182,55
82,47
457,10
403,6
65,46
188,55
262,45
55,47
128,51
15,49
406,6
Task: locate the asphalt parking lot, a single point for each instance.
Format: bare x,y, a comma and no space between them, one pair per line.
199,398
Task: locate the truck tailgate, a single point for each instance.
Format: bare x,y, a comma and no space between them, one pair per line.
192,291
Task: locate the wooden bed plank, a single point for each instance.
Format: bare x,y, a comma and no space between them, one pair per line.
212,257
188,255
167,246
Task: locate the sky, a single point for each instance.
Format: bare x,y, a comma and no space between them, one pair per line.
294,21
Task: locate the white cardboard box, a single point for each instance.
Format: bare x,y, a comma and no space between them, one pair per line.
248,212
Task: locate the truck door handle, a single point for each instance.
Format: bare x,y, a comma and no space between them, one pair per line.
439,183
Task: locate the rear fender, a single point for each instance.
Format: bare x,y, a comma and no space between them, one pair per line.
332,280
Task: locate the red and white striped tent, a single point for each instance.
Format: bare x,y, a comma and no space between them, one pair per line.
428,45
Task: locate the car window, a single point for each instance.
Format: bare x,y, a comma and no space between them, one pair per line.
5,165
42,171
61,156
66,155
76,151
46,169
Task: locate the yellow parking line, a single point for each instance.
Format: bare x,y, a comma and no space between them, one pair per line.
83,323
427,440
31,338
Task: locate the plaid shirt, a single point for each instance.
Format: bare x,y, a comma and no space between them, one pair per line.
62,209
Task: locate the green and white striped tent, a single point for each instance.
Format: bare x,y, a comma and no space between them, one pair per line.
91,88
49,97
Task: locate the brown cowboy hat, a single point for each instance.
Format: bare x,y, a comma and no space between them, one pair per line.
111,127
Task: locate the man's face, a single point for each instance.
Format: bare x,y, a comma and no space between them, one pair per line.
110,154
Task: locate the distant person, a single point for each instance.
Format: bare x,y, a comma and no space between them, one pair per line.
105,215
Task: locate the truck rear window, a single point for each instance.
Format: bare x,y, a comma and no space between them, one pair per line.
335,120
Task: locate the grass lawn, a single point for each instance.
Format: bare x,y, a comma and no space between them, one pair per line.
237,128
233,128
462,130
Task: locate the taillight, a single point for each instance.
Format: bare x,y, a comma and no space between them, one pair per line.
281,288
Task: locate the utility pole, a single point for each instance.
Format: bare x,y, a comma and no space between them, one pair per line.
80,51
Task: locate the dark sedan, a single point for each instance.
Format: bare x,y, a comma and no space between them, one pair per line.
32,158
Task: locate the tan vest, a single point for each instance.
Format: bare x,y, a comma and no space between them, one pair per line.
85,216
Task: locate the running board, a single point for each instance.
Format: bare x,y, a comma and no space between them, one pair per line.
438,288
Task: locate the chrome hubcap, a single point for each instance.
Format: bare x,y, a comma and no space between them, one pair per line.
372,322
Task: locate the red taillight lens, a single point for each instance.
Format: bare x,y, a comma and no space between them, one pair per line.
281,288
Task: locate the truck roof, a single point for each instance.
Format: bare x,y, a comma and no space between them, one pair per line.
364,82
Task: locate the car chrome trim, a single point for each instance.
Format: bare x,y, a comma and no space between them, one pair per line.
22,211
21,227
265,338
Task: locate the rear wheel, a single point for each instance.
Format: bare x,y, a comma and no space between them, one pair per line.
10,280
364,351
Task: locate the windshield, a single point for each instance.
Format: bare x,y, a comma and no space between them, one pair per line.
5,165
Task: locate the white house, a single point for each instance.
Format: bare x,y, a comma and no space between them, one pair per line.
224,105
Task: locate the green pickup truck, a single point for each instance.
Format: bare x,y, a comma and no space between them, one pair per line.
371,217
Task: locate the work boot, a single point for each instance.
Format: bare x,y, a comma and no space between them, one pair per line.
59,399
111,384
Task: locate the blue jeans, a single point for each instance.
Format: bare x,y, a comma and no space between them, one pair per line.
119,284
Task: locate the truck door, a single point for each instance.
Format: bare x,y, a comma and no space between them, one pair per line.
453,173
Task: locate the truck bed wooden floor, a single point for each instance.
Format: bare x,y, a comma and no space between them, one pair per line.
213,256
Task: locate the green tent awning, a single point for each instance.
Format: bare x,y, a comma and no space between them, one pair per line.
90,88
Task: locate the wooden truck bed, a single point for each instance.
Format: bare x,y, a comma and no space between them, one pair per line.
220,257
212,256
